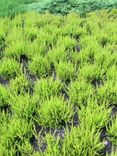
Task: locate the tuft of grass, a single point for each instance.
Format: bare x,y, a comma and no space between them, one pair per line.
79,92
4,96
82,141
14,134
23,106
65,71
55,112
108,92
92,73
9,68
19,85
39,66
111,131
94,115
45,88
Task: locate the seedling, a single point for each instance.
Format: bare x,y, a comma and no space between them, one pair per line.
108,92
55,112
82,141
9,68
45,88
79,92
23,105
112,131
94,115
19,85
39,66
4,96
65,71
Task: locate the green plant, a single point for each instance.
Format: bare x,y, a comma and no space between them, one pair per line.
53,145
45,88
65,70
64,7
9,68
92,73
82,141
94,115
4,96
79,92
111,131
108,92
54,112
19,85
15,133
23,105
39,66
16,45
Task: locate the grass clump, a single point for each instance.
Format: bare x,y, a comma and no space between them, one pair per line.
94,115
65,71
23,105
79,92
111,130
55,112
45,88
39,66
92,74
108,92
9,68
15,134
19,85
4,96
80,141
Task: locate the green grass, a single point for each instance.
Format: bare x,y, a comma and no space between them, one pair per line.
58,84
11,7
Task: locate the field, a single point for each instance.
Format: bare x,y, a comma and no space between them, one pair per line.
58,85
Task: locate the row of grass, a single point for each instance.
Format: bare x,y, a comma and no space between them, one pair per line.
52,69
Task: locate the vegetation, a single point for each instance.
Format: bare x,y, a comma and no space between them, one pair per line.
11,7
58,84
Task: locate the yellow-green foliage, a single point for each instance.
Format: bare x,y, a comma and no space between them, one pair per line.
58,75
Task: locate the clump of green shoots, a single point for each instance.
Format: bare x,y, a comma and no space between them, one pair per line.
45,88
9,68
55,112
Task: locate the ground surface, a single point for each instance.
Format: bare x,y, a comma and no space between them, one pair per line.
58,85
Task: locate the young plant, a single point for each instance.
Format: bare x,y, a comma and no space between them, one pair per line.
65,71
56,54
55,112
4,96
53,145
26,148
9,68
108,92
112,131
94,115
82,141
19,85
45,88
67,42
23,105
39,66
79,92
14,133
92,74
